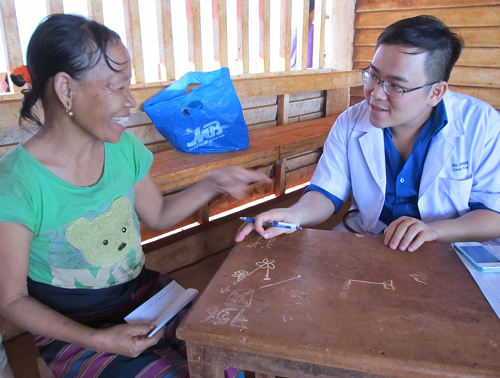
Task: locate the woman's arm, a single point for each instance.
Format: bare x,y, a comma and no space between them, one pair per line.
160,212
18,307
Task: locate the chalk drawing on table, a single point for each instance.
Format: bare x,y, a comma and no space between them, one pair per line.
264,264
242,297
419,277
237,302
388,285
291,314
225,289
231,315
295,297
258,244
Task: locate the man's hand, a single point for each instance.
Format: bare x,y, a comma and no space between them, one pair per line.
279,215
408,234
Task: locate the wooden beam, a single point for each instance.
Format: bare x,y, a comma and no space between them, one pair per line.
295,83
288,33
245,46
10,32
339,50
337,100
54,6
394,5
305,33
322,35
95,10
470,57
473,37
223,32
267,36
453,17
280,177
283,109
165,38
134,42
198,52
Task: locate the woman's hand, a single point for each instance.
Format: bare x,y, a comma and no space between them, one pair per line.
278,215
127,339
233,180
408,233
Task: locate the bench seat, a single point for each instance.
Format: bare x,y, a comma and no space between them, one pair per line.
172,169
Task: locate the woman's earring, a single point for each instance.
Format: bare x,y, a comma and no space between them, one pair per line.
69,113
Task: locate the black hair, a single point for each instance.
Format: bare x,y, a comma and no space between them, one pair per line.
311,5
63,43
429,35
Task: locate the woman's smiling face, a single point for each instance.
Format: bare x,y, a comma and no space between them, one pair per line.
103,100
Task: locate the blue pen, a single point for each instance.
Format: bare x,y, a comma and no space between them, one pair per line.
290,226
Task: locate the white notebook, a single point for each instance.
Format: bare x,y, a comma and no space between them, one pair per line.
162,307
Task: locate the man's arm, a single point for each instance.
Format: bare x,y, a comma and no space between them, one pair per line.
312,208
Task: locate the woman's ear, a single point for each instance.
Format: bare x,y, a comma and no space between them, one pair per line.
437,92
64,88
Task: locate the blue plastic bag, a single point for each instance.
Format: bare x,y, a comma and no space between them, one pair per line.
206,120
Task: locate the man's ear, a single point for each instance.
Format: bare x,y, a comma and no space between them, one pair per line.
437,92
64,88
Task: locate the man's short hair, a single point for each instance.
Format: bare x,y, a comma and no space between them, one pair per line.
428,35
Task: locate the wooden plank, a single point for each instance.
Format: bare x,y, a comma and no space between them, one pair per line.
355,100
288,34
489,95
198,52
299,83
470,57
473,36
283,109
257,102
239,29
260,115
134,42
305,33
267,36
54,6
246,86
322,34
305,107
465,76
280,177
306,117
190,35
223,32
95,10
300,176
475,77
337,100
173,169
380,5
303,160
10,32
453,17
339,50
165,38
305,95
245,46
282,29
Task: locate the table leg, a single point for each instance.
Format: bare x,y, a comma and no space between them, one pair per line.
202,363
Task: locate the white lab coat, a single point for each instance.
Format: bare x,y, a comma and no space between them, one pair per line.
462,164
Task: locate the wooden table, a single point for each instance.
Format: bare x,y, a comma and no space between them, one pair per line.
324,304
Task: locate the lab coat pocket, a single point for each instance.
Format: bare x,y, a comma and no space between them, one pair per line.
455,195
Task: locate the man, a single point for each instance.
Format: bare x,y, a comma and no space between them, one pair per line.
420,162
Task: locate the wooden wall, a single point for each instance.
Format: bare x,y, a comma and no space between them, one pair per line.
477,73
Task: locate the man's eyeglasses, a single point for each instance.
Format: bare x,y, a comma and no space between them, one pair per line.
371,81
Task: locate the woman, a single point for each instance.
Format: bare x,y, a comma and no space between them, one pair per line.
72,264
